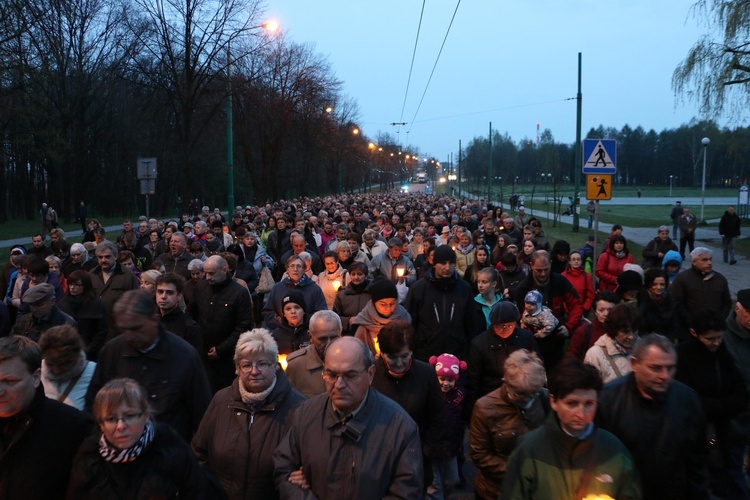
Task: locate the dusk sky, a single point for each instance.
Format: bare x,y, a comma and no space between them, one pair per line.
512,63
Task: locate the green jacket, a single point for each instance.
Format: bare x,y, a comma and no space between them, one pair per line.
548,463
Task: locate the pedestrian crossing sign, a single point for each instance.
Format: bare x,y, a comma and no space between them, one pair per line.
599,187
599,156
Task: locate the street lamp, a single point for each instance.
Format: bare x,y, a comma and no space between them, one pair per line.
671,177
705,142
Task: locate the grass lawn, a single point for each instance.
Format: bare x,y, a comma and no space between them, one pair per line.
20,228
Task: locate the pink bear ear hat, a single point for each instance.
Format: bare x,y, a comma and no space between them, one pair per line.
447,365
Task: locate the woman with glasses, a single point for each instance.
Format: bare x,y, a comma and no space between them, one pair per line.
611,353
412,384
503,416
245,421
133,456
88,310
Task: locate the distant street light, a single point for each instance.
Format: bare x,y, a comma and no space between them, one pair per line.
705,142
671,177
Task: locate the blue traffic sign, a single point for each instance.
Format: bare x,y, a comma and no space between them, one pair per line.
599,156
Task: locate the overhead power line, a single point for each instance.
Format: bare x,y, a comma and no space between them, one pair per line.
413,56
435,65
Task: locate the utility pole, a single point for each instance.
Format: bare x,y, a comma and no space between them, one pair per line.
489,170
578,155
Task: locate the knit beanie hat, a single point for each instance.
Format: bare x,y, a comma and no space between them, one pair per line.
382,289
504,311
534,297
629,281
294,297
444,253
447,365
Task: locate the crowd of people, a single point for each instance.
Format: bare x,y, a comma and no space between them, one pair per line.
340,347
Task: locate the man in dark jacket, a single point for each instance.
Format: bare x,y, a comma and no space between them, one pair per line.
178,258
40,435
705,365
440,305
660,421
729,230
224,310
43,315
675,216
656,249
700,287
328,450
557,294
168,294
165,365
110,278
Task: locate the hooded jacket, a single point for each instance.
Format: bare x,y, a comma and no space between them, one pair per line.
671,255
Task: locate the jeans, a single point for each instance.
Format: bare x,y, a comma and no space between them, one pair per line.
445,475
727,245
674,230
591,220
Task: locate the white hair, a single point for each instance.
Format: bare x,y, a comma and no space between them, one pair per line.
698,251
256,341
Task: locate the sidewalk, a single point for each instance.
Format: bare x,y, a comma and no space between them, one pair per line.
737,275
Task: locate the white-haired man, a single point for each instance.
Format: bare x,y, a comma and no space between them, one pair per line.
700,287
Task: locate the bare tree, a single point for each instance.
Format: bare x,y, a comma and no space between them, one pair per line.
280,89
184,53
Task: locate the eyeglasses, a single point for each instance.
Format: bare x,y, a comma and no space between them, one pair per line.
127,419
504,327
347,377
247,366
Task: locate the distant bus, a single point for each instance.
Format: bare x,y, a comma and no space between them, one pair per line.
422,177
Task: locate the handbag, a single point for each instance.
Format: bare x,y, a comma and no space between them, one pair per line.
266,282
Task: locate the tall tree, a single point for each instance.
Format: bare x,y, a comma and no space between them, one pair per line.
185,50
716,69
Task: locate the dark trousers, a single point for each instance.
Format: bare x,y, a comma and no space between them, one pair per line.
689,239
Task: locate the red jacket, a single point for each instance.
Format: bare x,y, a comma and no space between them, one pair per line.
578,345
609,267
583,282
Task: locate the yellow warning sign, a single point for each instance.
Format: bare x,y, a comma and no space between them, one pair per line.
599,187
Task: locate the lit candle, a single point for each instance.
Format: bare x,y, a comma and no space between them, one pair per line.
282,361
336,285
400,272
